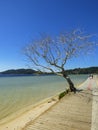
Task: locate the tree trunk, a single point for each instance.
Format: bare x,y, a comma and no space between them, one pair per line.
71,85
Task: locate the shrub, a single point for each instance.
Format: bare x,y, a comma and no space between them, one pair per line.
61,95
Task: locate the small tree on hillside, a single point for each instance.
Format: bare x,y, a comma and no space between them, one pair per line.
51,54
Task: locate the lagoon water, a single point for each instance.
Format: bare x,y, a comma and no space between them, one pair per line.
21,92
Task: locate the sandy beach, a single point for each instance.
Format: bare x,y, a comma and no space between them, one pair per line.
22,120
73,112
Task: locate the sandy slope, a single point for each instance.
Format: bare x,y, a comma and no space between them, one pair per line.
94,125
73,112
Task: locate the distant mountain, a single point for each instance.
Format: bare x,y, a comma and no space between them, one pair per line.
19,71
89,70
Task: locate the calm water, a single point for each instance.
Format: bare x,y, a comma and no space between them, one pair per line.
17,93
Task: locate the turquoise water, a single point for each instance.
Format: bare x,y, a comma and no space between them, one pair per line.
17,93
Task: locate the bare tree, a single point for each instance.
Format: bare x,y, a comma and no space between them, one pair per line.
51,54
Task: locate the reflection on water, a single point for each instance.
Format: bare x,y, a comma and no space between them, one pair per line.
17,93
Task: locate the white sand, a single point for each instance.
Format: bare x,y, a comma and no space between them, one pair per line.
94,125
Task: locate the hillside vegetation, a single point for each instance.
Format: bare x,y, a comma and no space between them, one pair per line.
89,70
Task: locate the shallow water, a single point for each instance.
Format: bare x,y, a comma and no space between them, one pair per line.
17,93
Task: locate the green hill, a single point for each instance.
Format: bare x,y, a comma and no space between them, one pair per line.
89,70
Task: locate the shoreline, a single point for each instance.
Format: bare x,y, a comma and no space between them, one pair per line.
19,121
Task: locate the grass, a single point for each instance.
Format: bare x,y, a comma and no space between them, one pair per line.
61,95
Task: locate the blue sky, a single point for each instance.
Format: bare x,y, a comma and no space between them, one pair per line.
23,20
